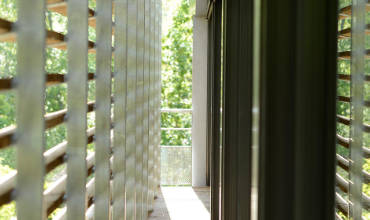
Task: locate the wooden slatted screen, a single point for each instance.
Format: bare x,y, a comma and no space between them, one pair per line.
353,119
116,178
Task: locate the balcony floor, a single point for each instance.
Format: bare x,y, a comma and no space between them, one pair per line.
182,203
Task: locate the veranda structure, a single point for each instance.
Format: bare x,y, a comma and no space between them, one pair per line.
269,70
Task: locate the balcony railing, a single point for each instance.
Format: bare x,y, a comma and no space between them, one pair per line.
176,161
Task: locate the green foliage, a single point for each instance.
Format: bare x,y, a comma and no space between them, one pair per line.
177,73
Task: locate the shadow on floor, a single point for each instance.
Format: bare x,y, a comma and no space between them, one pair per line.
182,203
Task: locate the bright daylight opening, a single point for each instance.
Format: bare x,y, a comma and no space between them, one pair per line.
178,200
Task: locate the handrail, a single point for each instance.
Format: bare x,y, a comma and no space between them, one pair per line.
176,110
175,146
176,129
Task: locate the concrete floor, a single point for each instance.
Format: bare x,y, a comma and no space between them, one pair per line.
182,203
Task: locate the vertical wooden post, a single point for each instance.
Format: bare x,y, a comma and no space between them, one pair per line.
77,111
151,161
30,109
139,106
131,110
120,85
103,108
146,109
357,109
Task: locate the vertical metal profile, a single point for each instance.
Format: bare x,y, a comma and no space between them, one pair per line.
357,109
146,109
151,108
209,121
297,109
256,108
103,108
119,141
131,110
30,109
215,105
77,108
139,106
237,109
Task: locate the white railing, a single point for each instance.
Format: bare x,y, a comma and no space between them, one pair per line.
177,110
176,129
176,161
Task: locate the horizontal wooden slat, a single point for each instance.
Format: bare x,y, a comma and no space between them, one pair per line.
346,12
60,6
6,136
344,99
347,121
343,184
347,77
51,120
7,184
345,143
51,79
344,164
344,77
90,192
90,213
337,217
56,155
348,100
346,55
343,120
346,33
52,157
91,205
56,118
53,39
342,204
54,195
